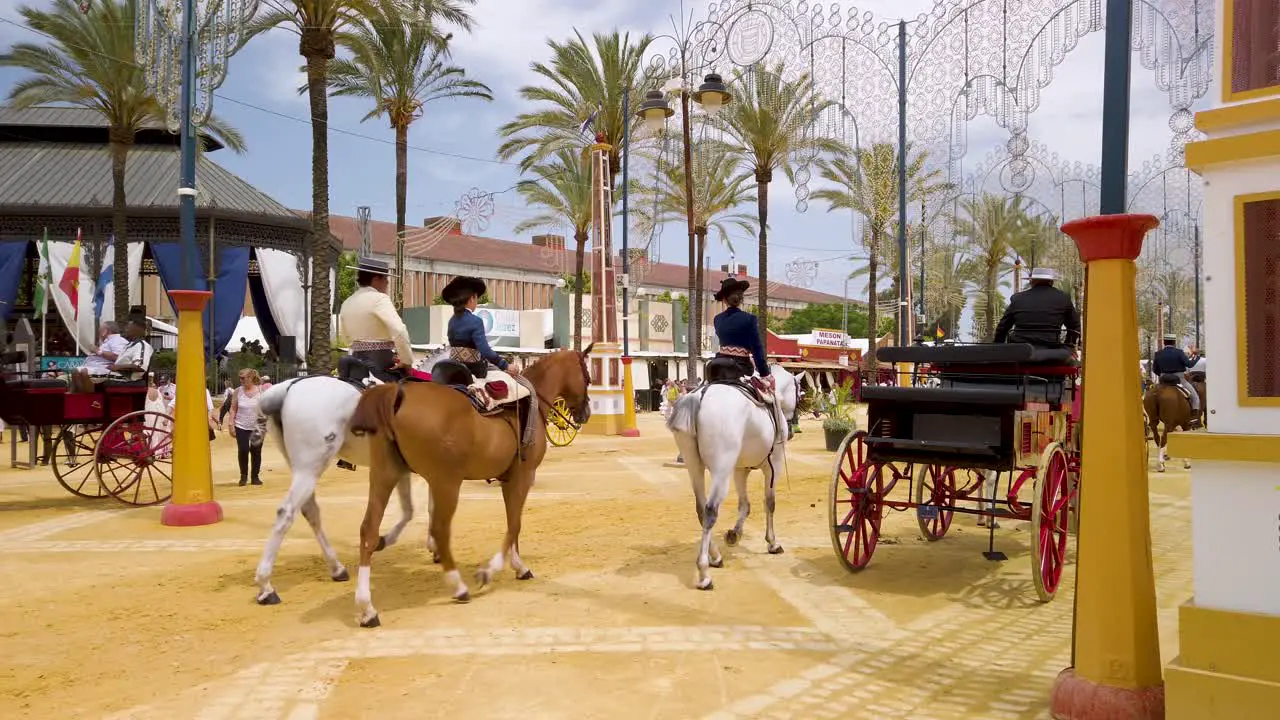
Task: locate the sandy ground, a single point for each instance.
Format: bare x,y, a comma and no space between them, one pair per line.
109,614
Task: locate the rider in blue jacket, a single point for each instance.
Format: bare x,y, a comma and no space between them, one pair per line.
1172,360
739,331
467,342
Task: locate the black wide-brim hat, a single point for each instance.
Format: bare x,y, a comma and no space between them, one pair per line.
372,266
460,289
729,286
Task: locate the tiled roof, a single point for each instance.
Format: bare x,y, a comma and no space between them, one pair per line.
483,252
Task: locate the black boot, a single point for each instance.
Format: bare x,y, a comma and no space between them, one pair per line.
243,480
256,480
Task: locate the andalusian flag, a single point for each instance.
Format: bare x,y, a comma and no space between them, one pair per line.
70,282
939,329
44,277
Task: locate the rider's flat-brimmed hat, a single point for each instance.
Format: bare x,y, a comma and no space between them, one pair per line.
372,266
1043,274
1170,337
460,289
729,286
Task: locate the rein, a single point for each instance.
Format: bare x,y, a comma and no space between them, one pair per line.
550,404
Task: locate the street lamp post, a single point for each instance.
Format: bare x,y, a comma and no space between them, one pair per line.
169,37
712,95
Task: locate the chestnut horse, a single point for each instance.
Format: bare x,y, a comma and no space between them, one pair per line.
1166,409
435,431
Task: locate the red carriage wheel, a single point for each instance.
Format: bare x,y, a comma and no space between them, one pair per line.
71,456
935,500
1050,518
134,458
855,505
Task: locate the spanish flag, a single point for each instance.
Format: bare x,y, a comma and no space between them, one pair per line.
939,331
70,282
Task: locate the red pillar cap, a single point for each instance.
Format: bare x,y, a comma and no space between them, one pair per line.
1110,237
190,299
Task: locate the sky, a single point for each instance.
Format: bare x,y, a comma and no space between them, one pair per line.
453,147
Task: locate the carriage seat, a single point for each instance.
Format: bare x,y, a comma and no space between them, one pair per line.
24,383
988,395
983,353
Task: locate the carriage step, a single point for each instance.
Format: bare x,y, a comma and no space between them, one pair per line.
994,555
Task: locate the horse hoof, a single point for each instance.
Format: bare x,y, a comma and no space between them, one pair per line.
435,558
731,537
463,598
776,550
382,543
372,622
526,575
484,577
709,586
717,563
270,598
342,576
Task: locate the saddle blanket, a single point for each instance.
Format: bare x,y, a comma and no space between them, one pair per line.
496,389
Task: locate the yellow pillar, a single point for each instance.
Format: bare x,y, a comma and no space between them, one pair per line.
1117,671
192,502
629,428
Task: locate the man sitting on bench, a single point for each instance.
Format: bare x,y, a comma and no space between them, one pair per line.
131,365
1037,315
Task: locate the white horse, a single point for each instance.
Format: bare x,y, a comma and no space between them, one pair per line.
309,417
718,428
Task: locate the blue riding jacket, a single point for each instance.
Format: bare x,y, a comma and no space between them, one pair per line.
737,327
1170,361
466,330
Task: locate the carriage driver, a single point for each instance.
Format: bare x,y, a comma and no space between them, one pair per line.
738,331
467,342
1172,360
369,320
1037,315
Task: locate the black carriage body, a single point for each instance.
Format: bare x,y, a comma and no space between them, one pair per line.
992,407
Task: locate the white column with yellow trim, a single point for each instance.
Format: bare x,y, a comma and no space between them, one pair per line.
1229,632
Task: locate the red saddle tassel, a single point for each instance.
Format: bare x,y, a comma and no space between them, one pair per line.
496,389
418,374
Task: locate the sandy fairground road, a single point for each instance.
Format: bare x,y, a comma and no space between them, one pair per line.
107,614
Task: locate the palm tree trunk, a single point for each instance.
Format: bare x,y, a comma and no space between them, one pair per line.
763,178
699,290
873,321
317,47
993,280
402,192
580,237
119,218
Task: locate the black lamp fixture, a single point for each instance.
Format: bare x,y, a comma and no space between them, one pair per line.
654,110
712,94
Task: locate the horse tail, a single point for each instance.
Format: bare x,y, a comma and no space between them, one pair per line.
269,407
376,410
684,416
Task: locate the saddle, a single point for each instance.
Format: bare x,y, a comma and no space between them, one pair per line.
724,371
490,395
1174,380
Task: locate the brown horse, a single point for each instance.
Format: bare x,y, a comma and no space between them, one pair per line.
435,431
1167,409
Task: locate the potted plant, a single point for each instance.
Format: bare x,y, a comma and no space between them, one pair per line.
839,416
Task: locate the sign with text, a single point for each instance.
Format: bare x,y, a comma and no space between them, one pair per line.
58,363
500,323
829,338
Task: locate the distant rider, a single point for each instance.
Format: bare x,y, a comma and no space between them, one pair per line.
467,341
739,331
1037,315
1172,360
369,320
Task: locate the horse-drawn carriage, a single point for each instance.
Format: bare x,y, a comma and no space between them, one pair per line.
100,443
989,411
561,429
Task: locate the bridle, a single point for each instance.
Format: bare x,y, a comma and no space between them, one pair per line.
543,402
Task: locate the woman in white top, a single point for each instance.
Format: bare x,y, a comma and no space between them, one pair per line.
244,418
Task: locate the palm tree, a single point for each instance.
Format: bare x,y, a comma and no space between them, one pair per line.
946,269
769,126
318,24
401,67
718,190
563,191
867,184
88,60
993,225
578,83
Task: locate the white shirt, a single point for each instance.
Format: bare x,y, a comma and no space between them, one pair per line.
368,315
1199,366
95,364
136,353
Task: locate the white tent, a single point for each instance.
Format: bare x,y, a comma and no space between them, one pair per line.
247,330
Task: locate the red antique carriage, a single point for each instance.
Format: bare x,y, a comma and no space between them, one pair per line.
989,412
100,443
